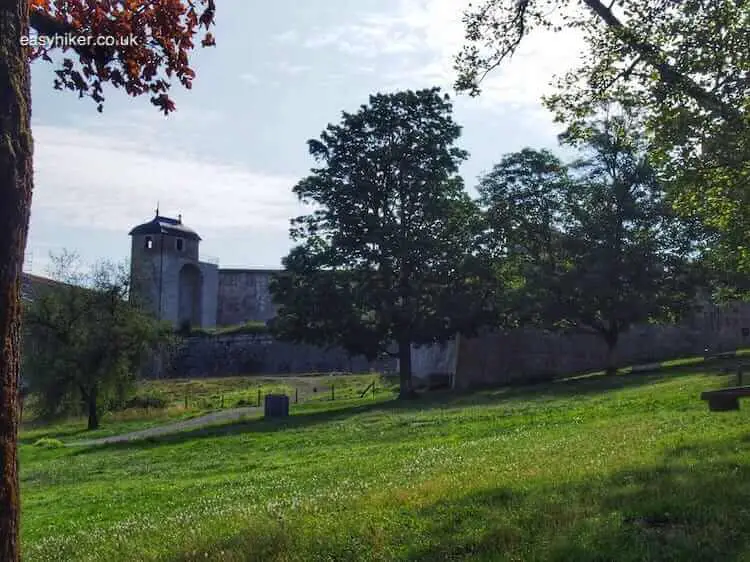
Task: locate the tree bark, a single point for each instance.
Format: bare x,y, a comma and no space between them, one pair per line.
16,183
406,390
92,411
611,346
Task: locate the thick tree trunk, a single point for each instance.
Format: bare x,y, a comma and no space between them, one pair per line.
15,202
611,363
406,390
93,414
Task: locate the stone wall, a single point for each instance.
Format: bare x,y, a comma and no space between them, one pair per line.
427,360
210,288
252,354
526,354
243,296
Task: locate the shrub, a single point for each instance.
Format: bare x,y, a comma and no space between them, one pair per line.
147,401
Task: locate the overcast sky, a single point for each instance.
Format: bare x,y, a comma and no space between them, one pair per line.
229,157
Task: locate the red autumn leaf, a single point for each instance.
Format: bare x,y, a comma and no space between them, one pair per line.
137,45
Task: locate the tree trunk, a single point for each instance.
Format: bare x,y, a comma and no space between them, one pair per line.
93,414
15,202
406,391
611,364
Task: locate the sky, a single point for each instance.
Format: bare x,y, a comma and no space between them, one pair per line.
228,158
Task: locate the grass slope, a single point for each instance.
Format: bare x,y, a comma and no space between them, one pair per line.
189,398
630,468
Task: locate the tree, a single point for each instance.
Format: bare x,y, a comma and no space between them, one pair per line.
164,32
523,198
612,253
389,258
86,339
685,64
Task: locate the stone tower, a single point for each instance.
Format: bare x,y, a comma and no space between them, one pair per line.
167,276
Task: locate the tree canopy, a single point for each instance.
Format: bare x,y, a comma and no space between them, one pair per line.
684,65
146,44
388,257
85,339
594,242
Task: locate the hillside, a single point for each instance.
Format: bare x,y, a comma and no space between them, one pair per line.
630,468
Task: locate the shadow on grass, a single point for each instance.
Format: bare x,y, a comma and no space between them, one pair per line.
442,399
692,506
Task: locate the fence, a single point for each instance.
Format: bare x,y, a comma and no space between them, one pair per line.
314,392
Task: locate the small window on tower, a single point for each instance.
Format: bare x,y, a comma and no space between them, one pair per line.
180,244
149,243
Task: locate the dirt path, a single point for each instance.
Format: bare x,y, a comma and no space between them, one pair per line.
174,427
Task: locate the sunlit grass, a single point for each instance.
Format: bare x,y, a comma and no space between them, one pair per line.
626,468
190,398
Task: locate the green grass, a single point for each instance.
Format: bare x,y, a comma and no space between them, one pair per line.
252,327
189,398
207,393
628,468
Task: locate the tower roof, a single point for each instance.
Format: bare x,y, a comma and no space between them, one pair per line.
165,225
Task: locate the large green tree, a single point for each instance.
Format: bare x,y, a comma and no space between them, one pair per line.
685,64
595,242
523,197
147,48
390,255
85,339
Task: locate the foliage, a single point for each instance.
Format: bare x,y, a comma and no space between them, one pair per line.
147,401
685,65
523,198
625,468
389,254
85,341
150,40
595,243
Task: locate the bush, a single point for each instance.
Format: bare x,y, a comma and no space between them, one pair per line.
148,401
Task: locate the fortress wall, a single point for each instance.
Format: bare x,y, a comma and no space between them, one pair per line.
513,356
243,296
433,359
255,354
210,291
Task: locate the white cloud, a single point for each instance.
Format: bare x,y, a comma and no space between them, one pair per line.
250,78
422,37
291,68
112,181
287,37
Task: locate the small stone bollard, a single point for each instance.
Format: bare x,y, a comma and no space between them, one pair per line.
276,406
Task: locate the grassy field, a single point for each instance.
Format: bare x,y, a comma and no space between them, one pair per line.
189,398
629,468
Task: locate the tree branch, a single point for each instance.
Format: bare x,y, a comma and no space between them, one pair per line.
45,24
667,72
